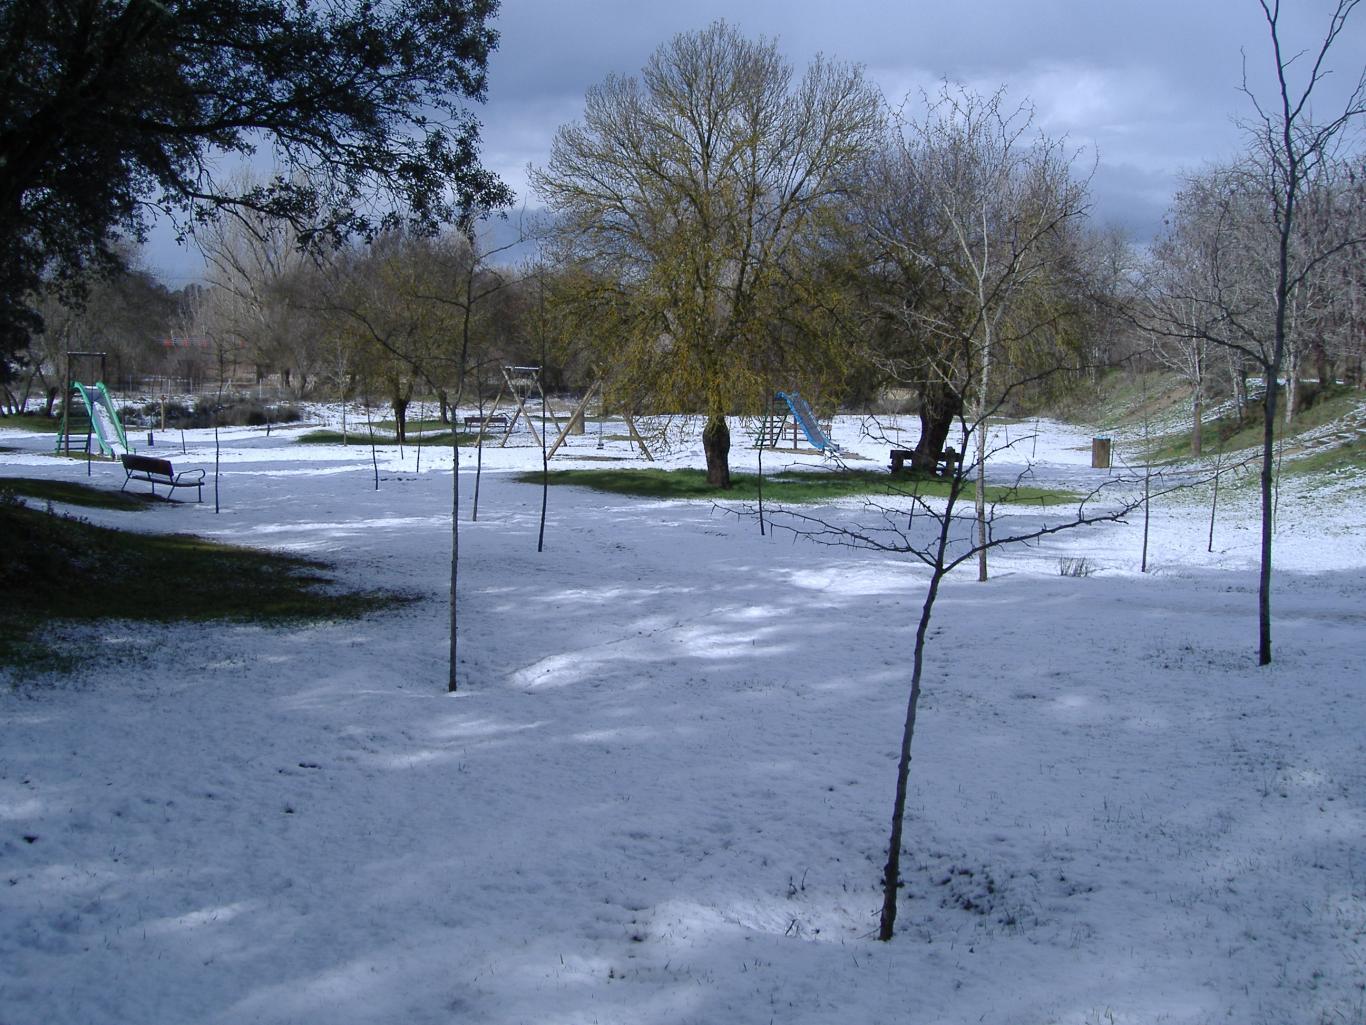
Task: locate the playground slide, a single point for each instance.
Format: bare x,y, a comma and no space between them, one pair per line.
103,418
801,412
113,415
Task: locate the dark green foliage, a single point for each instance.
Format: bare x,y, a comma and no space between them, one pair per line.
208,413
32,422
105,107
63,569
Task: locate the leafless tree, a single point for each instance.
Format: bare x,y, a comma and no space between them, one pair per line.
935,534
1259,215
997,200
258,266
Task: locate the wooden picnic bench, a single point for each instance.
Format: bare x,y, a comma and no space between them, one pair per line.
159,471
946,465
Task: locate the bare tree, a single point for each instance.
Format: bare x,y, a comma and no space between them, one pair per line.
258,264
392,298
414,303
933,533
1176,273
1289,155
997,202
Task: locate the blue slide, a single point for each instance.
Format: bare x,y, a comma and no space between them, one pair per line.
801,412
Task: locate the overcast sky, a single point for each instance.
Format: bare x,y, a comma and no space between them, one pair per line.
1147,88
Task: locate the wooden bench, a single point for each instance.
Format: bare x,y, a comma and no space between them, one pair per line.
948,463
159,471
485,422
945,466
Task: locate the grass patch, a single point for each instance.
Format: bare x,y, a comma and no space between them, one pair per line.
1232,435
414,424
785,489
1345,455
361,438
32,422
70,493
1123,398
62,569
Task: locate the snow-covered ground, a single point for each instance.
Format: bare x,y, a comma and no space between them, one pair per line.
663,791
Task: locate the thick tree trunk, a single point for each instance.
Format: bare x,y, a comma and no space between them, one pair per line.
452,681
939,406
1323,366
1267,479
1292,390
716,447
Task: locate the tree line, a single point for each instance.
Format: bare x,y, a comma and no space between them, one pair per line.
721,227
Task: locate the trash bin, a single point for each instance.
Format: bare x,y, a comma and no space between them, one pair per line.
1100,453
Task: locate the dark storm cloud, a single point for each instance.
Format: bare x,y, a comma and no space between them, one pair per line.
1148,88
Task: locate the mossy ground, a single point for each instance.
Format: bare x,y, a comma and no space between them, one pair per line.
786,489
58,568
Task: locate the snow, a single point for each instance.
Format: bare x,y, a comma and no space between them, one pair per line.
663,791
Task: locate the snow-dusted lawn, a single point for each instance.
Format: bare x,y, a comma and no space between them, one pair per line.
663,792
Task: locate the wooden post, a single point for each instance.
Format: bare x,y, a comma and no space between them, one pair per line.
575,417
635,436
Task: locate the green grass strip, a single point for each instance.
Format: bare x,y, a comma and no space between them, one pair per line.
72,493
59,568
1349,455
32,422
1233,434
786,489
361,439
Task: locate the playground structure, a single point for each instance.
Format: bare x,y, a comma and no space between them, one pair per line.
576,418
100,420
521,385
793,417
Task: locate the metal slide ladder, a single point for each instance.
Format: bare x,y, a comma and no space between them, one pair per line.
770,431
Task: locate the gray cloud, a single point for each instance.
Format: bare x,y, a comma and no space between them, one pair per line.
1148,87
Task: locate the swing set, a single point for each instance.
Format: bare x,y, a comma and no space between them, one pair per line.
521,384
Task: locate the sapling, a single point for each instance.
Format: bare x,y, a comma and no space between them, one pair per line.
1249,213
953,540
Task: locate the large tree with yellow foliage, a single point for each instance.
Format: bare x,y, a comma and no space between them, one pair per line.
687,198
